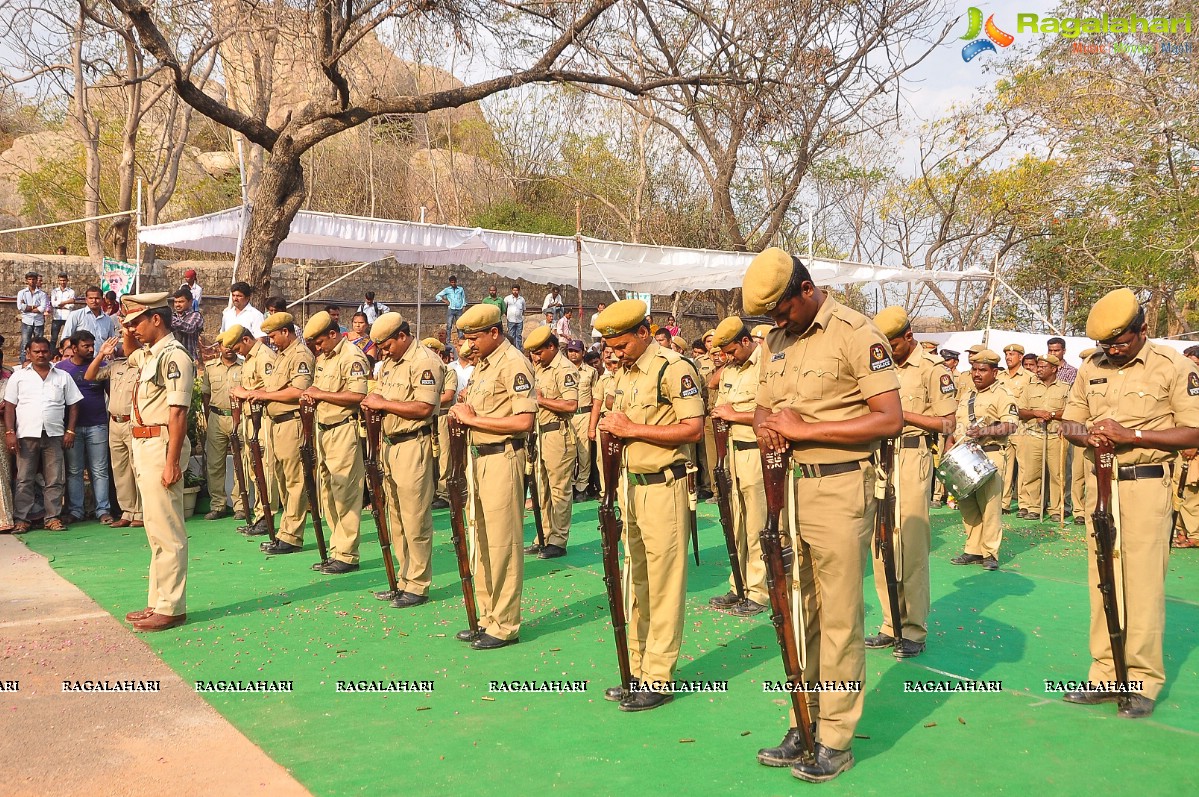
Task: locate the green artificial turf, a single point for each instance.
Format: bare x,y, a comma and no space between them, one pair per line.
255,618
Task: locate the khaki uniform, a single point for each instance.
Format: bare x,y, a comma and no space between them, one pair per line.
603,392
556,448
122,376
292,368
408,464
925,388
660,389
581,423
449,379
739,387
254,370
706,456
165,380
218,377
341,470
1016,382
1158,389
1188,505
982,512
1045,447
827,374
501,386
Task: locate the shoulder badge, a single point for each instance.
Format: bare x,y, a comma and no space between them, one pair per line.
302,368
268,368
521,383
357,369
947,384
427,378
570,380
688,387
1193,384
1013,410
879,359
173,370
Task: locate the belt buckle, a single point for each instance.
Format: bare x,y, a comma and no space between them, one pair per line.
801,471
638,479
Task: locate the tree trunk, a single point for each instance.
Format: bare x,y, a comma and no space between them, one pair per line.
87,130
126,170
281,192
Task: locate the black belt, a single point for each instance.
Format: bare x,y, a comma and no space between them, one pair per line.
744,445
487,449
403,437
910,442
221,412
553,426
284,417
120,418
994,447
678,471
803,471
324,427
586,411
1127,473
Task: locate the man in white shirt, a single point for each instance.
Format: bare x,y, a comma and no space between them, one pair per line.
514,313
91,318
562,327
372,309
242,312
463,367
32,304
595,334
35,402
553,303
62,302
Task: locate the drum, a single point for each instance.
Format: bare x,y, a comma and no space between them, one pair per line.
965,468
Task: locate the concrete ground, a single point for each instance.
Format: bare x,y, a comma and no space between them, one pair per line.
163,744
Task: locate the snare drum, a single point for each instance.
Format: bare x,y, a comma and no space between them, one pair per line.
965,468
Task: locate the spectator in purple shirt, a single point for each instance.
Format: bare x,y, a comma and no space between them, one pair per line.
188,324
90,450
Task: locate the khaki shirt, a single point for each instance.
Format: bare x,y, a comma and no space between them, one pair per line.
122,376
827,374
925,388
345,369
417,376
259,362
558,380
1159,389
660,389
1017,382
501,387
739,387
605,389
705,366
449,381
218,377
963,382
994,404
1051,397
587,380
292,368
165,380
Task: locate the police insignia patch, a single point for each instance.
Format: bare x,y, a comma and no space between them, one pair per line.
427,378
173,370
570,380
946,384
357,369
268,369
521,384
688,387
879,359
778,355
302,368
1193,384
1012,410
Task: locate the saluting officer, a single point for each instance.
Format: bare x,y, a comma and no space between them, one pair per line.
929,399
736,400
498,410
1143,398
580,421
409,392
161,449
828,393
658,411
338,387
258,362
120,366
220,376
987,414
1042,407
557,383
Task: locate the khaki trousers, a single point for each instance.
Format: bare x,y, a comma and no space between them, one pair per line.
288,468
408,485
1079,467
340,475
1028,475
1010,466
162,510
835,521
556,461
1032,479
499,482
120,450
982,513
1145,529
709,453
748,504
912,545
216,447
583,445
656,540
443,462
1188,506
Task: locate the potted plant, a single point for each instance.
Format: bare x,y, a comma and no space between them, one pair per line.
191,491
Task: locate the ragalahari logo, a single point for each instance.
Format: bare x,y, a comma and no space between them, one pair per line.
994,35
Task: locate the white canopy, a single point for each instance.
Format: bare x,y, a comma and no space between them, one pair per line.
534,257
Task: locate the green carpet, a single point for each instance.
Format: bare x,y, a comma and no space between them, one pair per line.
257,618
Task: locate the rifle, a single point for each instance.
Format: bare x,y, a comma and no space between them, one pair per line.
308,460
374,482
457,489
884,534
1104,532
611,453
532,488
724,493
259,473
778,577
692,521
239,470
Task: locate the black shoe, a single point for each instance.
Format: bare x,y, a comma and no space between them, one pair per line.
747,608
239,515
256,530
488,642
217,514
1091,698
280,547
615,694
389,594
440,503
1135,707
580,496
1022,514
724,601
704,494
644,701
319,566
335,567
826,765
907,649
938,504
1007,510
1079,520
466,635
990,563
966,559
532,550
551,552
880,640
407,600
788,753
1055,518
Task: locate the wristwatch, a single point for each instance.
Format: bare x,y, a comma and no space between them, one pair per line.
1138,435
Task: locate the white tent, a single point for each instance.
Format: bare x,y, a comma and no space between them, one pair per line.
538,258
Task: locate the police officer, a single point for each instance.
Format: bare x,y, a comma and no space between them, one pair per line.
338,387
258,362
449,393
828,393
736,401
706,365
220,376
161,449
929,399
1143,398
1078,463
602,397
950,359
498,409
557,383
409,392
580,420
120,366
1042,407
987,414
1016,378
285,381
658,412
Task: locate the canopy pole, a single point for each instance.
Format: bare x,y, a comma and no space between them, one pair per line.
241,219
991,302
333,282
579,256
594,262
64,223
1032,308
